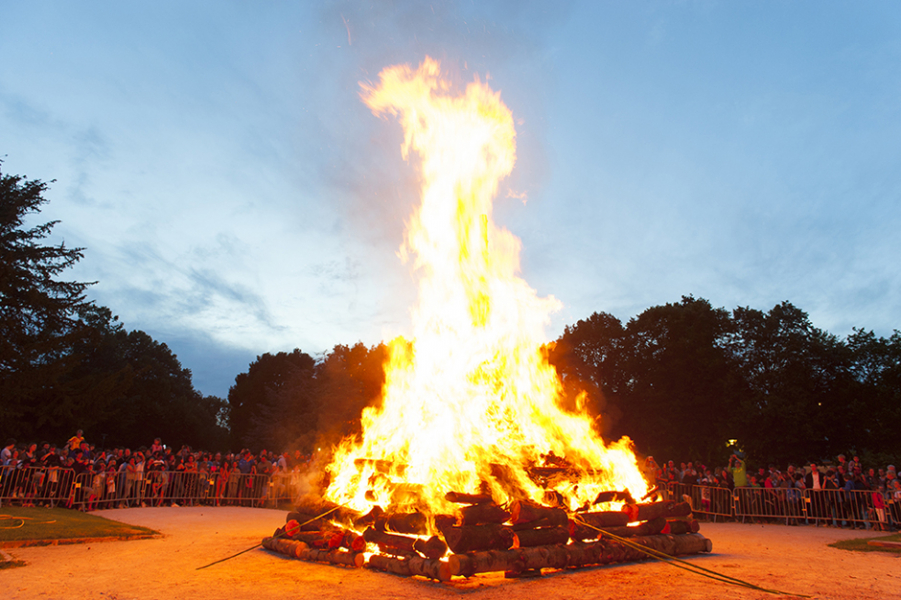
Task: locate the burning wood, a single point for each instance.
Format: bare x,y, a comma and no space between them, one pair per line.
527,512
414,523
532,537
654,510
303,552
471,402
468,538
574,555
481,514
389,540
461,498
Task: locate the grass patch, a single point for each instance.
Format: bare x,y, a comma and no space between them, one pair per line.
861,545
20,525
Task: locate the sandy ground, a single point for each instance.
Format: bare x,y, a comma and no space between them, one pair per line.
791,559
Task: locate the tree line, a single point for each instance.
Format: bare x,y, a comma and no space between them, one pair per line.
688,381
684,380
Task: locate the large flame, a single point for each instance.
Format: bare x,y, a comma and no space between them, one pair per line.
471,403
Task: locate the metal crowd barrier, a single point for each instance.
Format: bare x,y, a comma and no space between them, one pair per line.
792,506
713,502
56,486
34,485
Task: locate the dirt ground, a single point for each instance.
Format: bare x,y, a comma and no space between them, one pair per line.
791,559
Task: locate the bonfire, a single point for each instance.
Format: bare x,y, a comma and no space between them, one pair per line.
470,450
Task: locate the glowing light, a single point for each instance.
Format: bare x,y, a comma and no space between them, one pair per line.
470,403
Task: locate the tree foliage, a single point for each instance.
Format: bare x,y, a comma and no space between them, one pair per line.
67,364
290,400
685,378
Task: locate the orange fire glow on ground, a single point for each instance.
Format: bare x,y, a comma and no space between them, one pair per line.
470,404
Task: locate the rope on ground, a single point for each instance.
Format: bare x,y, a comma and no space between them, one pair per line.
681,564
23,519
326,513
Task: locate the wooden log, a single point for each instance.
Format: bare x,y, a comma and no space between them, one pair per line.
347,539
301,551
432,548
413,565
614,496
555,499
283,546
461,498
574,555
554,521
389,564
581,532
314,506
309,522
442,522
413,522
654,510
369,518
482,514
540,537
522,511
681,526
603,519
431,568
469,538
334,557
315,539
390,540
652,527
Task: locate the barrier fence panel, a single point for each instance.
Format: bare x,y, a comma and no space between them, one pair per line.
42,486
712,502
849,508
769,504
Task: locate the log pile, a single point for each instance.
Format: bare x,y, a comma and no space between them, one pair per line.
519,539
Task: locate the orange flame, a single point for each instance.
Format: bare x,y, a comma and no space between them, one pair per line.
471,402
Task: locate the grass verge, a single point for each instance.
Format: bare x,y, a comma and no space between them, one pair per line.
861,545
20,526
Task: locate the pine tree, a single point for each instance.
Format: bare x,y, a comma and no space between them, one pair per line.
38,311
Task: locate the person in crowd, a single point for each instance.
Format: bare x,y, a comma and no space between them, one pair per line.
74,443
7,453
738,470
814,482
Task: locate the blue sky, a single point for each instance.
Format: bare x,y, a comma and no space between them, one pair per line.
236,197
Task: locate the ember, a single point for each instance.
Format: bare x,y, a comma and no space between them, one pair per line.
471,452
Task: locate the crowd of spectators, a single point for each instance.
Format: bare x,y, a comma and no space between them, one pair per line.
121,477
838,481
160,475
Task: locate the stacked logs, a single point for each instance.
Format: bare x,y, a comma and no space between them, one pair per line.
519,539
